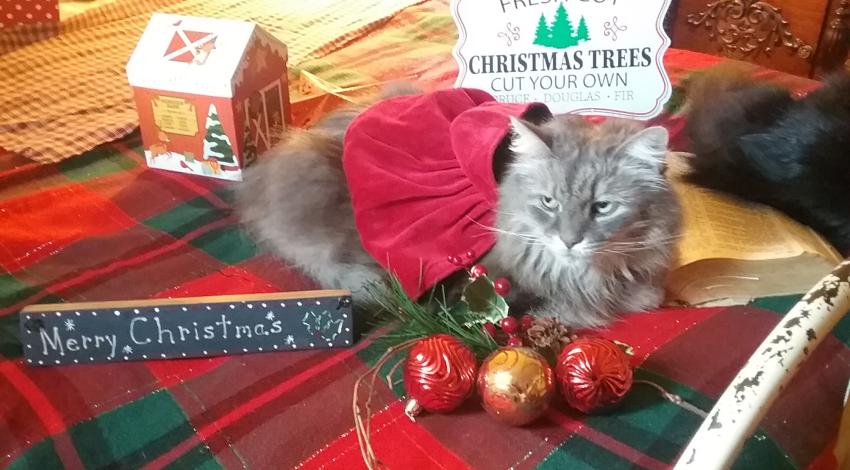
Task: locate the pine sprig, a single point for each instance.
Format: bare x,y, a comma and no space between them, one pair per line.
433,316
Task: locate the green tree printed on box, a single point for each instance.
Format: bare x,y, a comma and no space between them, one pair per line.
561,35
216,143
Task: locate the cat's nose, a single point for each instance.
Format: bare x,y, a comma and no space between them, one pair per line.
571,242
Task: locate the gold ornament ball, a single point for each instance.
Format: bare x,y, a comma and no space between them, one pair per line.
516,385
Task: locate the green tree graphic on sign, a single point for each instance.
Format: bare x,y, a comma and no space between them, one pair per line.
561,34
543,36
216,143
581,32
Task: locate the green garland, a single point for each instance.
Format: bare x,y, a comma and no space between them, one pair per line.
478,305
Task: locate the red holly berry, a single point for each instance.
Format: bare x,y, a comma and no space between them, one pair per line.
526,321
509,325
502,286
514,341
478,270
490,329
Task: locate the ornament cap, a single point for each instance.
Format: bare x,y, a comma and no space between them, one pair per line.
412,409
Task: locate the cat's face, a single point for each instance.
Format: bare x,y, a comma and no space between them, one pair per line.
579,190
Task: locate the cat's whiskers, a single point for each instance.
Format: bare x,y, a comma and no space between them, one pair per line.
529,238
638,247
643,244
650,241
512,214
612,252
627,248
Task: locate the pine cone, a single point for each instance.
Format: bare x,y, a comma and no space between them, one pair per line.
549,333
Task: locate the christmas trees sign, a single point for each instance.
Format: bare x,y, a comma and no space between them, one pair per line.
561,34
600,57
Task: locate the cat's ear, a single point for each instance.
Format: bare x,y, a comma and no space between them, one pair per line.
649,147
529,140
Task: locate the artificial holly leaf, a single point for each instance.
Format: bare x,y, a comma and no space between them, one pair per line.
483,300
459,310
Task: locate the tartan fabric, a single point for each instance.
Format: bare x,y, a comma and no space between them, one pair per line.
68,94
103,227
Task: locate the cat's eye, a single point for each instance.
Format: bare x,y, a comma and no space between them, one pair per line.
549,203
602,208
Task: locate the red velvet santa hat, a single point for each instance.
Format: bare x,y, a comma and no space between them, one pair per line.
420,173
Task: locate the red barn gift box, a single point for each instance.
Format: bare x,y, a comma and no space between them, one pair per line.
211,93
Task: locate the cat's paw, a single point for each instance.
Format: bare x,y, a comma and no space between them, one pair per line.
643,298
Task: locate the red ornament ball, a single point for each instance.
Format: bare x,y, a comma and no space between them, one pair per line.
478,270
490,329
593,374
440,373
502,286
509,325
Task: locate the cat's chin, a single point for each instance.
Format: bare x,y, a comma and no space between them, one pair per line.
577,255
560,251
574,257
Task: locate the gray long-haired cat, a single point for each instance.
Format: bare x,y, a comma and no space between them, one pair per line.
586,221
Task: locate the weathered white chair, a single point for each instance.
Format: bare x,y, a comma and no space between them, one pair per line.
743,404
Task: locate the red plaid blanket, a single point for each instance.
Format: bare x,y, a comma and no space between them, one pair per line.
103,227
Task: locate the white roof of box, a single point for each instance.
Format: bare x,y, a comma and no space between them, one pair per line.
194,55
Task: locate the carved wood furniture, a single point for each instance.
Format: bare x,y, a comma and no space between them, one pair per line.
804,37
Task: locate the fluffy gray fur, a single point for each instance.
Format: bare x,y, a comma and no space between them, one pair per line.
586,221
295,202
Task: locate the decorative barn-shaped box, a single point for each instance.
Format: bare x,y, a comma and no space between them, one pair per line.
211,94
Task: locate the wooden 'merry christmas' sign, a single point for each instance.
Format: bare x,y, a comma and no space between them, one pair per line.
600,57
211,94
88,333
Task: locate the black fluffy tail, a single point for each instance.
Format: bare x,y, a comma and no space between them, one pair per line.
754,141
